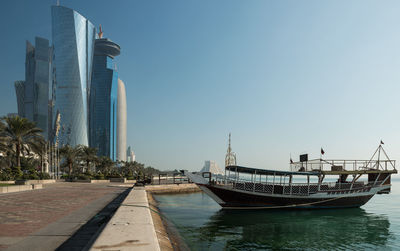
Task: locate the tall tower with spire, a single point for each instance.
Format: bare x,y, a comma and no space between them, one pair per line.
230,158
103,101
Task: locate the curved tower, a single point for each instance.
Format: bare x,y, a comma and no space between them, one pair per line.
73,40
121,122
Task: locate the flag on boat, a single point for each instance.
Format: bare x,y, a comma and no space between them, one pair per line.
322,151
291,161
382,142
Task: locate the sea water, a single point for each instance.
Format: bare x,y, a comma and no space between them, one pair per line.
203,225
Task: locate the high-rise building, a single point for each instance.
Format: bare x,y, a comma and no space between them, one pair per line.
20,93
73,41
33,93
103,98
121,122
130,155
71,88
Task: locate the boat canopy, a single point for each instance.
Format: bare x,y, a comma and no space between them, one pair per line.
249,170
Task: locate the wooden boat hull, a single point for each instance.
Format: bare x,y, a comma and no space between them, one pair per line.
229,198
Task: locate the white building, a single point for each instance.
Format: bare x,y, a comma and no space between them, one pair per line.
212,167
121,122
130,155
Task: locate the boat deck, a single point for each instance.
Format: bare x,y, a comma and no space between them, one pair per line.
358,172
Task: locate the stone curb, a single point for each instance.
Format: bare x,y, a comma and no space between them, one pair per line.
131,227
19,188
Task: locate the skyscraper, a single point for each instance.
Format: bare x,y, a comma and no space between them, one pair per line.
73,41
130,155
33,93
20,93
103,98
121,122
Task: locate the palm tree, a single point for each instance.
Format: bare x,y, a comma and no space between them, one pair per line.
105,165
3,140
127,169
87,154
5,150
21,135
6,158
69,154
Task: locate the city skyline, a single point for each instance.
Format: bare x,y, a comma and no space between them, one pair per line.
80,92
284,79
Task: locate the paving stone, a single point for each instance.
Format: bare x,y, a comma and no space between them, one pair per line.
67,206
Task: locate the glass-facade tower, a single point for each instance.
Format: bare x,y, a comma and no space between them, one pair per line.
103,99
33,93
73,41
20,93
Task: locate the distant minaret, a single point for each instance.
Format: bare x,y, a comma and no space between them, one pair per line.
230,158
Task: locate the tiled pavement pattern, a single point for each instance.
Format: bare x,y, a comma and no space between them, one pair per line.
24,213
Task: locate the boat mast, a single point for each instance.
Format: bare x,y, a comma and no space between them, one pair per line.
377,164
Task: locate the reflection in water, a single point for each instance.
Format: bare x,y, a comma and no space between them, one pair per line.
324,229
204,226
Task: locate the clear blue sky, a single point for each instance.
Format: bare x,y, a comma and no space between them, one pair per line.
285,77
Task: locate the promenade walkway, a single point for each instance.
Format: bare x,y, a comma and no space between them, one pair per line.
44,219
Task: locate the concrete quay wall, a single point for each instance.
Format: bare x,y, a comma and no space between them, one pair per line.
32,182
7,182
131,227
92,181
122,180
172,188
19,188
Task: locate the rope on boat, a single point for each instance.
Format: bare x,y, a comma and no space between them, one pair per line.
288,206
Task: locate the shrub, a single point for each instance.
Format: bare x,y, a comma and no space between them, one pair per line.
89,174
44,176
6,174
83,177
114,175
16,172
33,176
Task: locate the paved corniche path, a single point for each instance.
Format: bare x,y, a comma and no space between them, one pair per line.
131,227
44,219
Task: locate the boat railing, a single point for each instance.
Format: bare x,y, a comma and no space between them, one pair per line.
342,165
303,189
